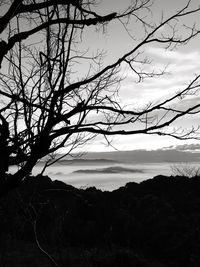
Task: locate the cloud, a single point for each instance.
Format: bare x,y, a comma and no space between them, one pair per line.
153,90
173,55
184,147
180,71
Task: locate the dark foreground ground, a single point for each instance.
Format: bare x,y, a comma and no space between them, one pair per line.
152,224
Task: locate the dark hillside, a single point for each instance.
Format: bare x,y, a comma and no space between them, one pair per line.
154,223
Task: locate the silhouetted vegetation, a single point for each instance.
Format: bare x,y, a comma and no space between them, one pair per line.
154,223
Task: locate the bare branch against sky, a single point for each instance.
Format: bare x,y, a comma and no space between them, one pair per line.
75,70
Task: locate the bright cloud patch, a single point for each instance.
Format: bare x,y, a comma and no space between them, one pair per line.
173,55
181,69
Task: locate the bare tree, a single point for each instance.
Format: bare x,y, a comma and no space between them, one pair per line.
48,103
185,170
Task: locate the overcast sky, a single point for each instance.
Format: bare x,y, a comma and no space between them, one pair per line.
183,64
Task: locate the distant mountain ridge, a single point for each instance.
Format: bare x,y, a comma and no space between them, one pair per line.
133,156
116,169
144,156
83,161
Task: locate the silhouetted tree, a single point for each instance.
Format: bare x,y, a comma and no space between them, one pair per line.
48,102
